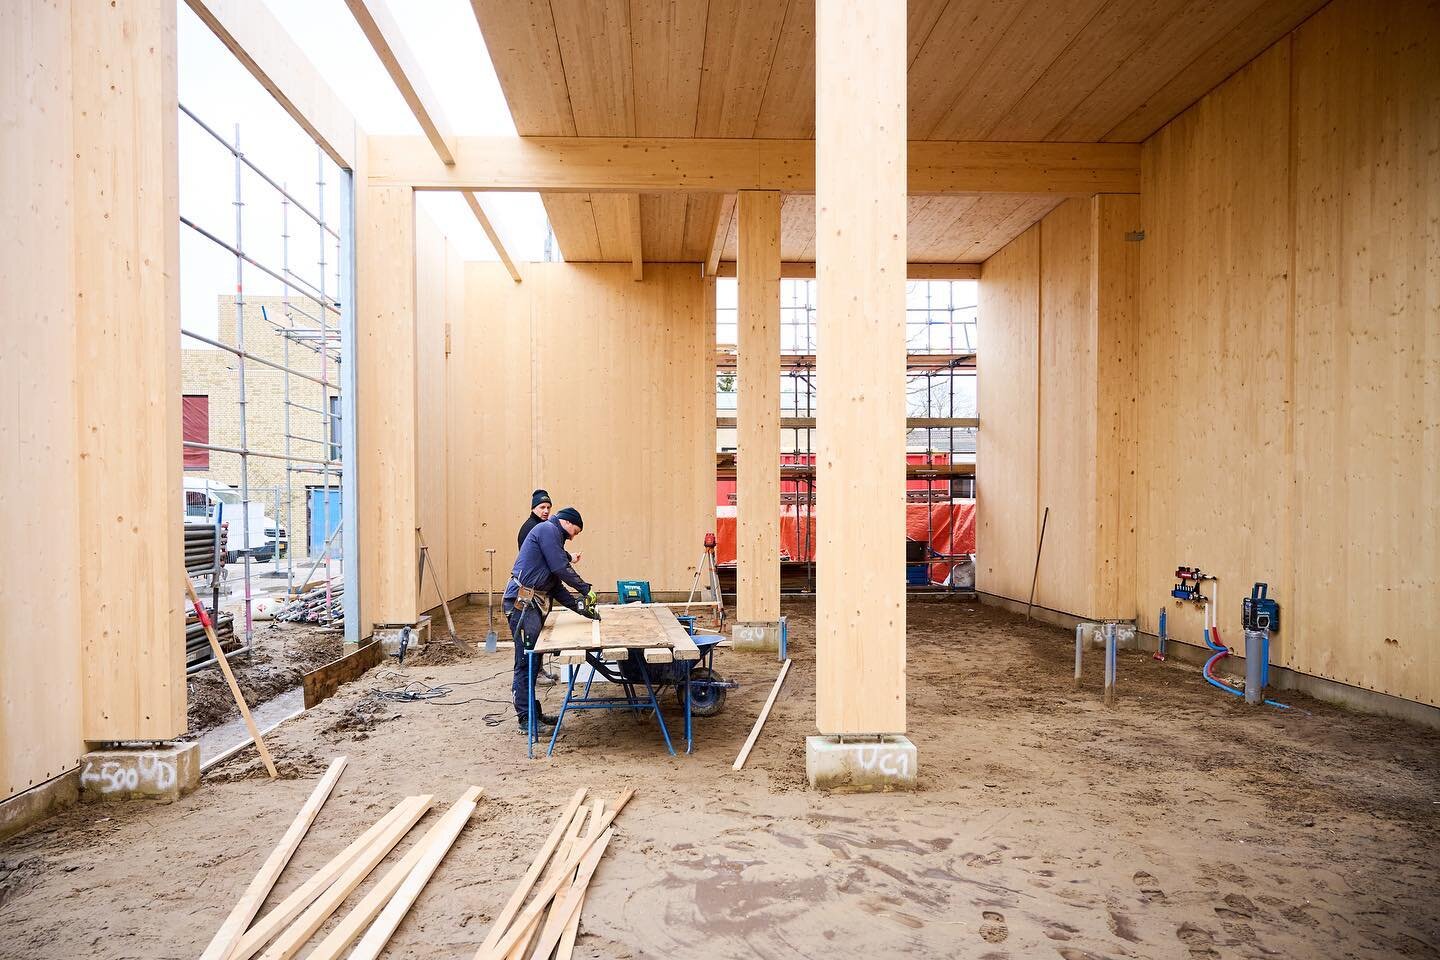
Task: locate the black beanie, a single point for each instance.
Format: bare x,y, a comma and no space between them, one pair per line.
571,514
538,497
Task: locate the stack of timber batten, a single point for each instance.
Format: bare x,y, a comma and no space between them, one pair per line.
285,930
550,922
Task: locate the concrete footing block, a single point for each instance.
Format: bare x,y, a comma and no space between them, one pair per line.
756,636
868,764
166,772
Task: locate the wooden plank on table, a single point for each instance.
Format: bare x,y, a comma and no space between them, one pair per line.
547,890
615,653
570,656
321,683
298,933
384,926
659,655
264,881
501,926
369,908
764,715
291,907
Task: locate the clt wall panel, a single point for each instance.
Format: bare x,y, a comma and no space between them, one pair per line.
385,400
1366,509
492,420
127,323
40,735
431,410
1067,405
623,386
1006,466
1214,351
1289,404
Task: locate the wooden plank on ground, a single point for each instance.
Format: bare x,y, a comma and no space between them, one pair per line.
566,949
288,909
764,715
522,946
384,926
355,922
517,899
547,890
298,933
264,881
569,902
322,683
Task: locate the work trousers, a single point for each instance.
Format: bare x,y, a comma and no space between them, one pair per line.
524,624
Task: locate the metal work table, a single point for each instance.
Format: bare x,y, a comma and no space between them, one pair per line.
621,648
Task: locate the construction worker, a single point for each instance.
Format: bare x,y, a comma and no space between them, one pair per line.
539,513
539,577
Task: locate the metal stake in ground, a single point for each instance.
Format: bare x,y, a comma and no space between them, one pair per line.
224,666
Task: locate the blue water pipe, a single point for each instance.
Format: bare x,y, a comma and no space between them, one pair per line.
1220,654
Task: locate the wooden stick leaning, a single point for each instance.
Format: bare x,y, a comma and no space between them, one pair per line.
562,853
298,933
384,926
268,926
760,720
517,899
547,890
224,665
355,922
254,896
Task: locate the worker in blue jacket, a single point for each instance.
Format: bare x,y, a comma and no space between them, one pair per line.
539,578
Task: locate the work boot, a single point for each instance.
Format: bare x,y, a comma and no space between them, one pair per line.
546,678
541,720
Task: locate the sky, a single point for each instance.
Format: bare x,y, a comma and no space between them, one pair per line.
214,86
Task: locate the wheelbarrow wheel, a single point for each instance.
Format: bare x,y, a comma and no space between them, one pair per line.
704,701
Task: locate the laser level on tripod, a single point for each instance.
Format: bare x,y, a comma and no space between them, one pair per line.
706,569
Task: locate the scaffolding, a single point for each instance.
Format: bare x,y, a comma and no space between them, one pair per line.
311,321
941,342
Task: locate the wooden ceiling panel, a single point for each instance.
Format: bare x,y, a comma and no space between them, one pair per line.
573,223
1239,46
1082,70
1124,25
741,38
668,44
1039,35
787,109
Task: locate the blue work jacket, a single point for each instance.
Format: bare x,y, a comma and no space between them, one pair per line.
544,565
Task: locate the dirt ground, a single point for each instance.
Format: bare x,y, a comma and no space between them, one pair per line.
1178,824
281,653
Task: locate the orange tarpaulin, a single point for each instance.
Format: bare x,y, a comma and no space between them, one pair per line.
938,524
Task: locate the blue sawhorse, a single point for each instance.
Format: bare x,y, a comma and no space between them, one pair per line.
634,699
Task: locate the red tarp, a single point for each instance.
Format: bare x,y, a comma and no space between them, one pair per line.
195,427
937,523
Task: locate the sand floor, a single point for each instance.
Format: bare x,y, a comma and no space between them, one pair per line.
1178,824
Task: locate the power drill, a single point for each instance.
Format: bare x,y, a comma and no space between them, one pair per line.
589,605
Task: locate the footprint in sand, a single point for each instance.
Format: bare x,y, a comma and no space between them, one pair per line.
1237,907
1199,940
994,929
1149,887
1074,953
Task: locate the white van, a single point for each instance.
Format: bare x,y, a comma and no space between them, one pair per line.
203,498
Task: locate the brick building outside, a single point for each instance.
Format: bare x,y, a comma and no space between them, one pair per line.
212,411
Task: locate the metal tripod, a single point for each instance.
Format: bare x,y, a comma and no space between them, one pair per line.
707,564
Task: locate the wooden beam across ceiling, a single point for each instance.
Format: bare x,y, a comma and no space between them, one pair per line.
255,38
805,270
658,165
384,35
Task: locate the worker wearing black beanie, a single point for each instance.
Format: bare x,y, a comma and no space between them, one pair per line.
539,513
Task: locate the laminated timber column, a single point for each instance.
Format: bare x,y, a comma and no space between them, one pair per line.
385,403
757,526
860,194
127,385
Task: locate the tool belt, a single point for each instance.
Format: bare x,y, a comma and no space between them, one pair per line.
524,596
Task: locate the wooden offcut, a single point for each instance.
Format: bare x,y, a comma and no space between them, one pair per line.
760,720
244,911
223,663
